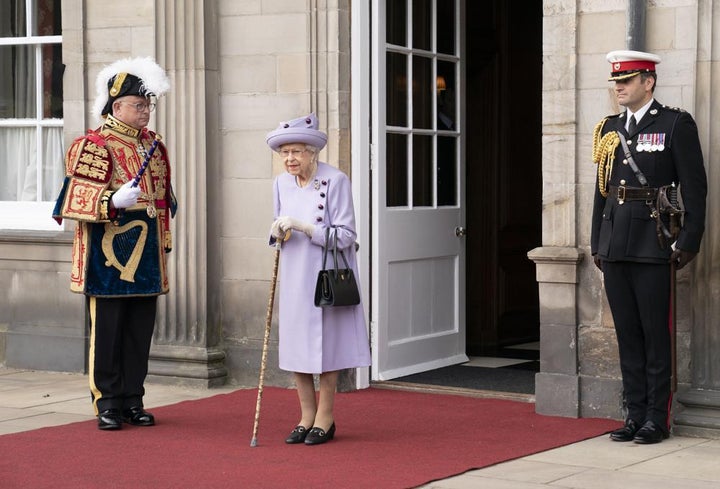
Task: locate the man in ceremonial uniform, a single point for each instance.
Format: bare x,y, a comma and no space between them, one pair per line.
117,188
646,156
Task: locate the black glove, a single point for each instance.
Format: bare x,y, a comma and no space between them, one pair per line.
598,262
681,258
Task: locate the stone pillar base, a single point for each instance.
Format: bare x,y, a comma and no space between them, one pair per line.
187,365
557,395
700,414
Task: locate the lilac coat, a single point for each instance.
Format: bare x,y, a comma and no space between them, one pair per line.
314,339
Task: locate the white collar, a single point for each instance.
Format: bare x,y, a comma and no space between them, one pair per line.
640,112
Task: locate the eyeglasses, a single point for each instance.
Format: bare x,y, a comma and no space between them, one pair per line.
286,153
141,106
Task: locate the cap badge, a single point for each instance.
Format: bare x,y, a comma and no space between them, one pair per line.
616,66
117,85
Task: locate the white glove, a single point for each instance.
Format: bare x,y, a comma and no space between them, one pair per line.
284,223
125,196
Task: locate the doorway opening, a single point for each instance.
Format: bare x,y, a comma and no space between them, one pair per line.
503,97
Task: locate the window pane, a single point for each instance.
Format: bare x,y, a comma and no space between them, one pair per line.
446,104
396,193
422,29
422,92
53,162
12,18
446,26
396,90
53,69
446,170
18,163
47,21
422,171
396,22
17,82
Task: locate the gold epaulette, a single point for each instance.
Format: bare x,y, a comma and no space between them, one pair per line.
603,154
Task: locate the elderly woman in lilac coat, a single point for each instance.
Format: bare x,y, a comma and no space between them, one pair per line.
310,197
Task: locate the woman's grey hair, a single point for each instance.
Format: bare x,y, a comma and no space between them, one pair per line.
314,150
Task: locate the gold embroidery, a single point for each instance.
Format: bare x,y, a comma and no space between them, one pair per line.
127,270
119,126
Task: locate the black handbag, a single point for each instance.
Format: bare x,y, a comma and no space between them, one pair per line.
335,286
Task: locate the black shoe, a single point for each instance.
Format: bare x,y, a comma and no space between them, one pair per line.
138,416
297,435
650,433
109,419
626,433
318,435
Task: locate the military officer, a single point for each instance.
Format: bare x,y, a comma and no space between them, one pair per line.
117,188
646,155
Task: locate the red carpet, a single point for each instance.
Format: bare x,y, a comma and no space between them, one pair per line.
384,439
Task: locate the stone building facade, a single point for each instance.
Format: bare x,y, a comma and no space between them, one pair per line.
239,67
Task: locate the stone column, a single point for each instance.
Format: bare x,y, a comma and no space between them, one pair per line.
557,385
186,344
699,406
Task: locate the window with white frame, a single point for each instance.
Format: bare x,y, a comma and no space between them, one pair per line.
31,112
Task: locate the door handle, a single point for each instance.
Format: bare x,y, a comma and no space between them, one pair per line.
460,231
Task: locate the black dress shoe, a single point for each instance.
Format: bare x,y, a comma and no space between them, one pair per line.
297,435
138,416
650,433
626,433
319,435
109,419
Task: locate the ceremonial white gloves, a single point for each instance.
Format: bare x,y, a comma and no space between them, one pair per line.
284,223
125,196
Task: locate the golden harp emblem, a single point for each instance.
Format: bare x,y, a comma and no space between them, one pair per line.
125,247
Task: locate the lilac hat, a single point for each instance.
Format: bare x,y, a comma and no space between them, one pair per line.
300,130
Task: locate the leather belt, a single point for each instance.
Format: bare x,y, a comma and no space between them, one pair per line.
623,193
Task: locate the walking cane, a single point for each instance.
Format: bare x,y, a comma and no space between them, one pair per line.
673,325
266,339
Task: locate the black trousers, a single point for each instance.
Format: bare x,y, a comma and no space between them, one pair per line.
121,331
639,298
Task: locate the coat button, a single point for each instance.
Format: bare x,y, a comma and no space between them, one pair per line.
322,194
318,219
321,207
324,182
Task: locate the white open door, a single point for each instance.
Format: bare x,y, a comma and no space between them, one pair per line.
418,254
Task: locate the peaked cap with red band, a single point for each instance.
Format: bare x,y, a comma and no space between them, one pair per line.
626,64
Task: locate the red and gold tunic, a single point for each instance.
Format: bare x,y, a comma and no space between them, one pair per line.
117,252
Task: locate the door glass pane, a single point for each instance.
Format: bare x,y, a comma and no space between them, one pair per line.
446,26
17,82
396,89
396,170
422,171
446,103
396,22
422,28
446,170
422,92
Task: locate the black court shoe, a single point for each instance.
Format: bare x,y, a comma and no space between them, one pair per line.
297,435
110,419
138,416
319,435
